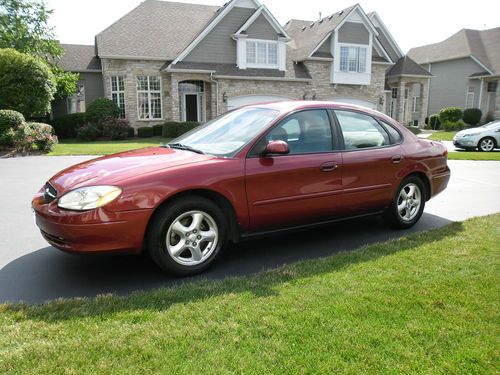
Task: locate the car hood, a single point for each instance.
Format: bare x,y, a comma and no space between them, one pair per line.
471,131
111,169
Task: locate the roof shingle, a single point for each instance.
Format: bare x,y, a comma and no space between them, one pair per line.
406,66
79,58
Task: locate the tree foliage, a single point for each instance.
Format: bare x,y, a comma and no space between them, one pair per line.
27,85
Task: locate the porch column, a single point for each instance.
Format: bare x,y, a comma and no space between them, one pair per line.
401,98
423,102
176,116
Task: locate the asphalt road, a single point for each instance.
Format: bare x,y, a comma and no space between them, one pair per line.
34,272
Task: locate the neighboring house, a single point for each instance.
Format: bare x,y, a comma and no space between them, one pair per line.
189,62
465,69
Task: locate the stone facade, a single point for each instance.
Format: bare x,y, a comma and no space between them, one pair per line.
490,101
404,108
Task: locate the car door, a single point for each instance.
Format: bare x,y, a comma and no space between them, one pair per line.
302,186
371,158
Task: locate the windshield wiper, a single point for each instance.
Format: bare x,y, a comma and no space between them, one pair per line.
181,146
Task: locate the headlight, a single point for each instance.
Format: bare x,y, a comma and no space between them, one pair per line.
466,135
87,198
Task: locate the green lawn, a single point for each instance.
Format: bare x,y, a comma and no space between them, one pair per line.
76,147
428,303
474,155
442,136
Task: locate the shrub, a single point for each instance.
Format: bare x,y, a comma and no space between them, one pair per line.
43,136
145,132
452,126
172,129
450,114
10,119
472,116
66,126
131,132
88,132
433,122
414,129
101,109
27,84
22,138
157,130
115,128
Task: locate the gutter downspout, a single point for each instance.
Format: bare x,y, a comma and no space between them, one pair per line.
429,91
216,93
481,93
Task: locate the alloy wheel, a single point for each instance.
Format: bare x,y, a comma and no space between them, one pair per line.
409,201
486,144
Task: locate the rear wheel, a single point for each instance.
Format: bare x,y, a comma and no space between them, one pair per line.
186,236
486,144
408,204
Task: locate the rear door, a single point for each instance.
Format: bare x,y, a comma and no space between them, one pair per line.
372,157
300,187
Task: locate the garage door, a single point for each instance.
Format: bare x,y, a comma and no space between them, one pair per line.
253,99
362,103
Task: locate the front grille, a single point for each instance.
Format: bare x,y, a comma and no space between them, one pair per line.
49,193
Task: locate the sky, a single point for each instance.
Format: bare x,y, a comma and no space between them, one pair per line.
412,23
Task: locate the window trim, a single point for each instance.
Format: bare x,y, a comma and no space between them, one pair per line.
414,104
149,91
262,66
118,92
341,135
467,93
358,47
336,144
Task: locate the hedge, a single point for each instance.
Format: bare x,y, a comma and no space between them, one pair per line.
145,132
172,129
157,130
450,114
472,116
10,120
101,109
67,126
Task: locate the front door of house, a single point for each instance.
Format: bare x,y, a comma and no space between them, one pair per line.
191,107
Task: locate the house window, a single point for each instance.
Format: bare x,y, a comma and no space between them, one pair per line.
149,97
76,102
353,59
118,93
492,86
469,102
262,54
415,104
394,92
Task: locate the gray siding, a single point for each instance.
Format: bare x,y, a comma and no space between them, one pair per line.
93,89
448,87
261,29
218,46
352,32
323,48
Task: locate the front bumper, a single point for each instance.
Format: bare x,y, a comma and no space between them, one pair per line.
464,142
94,231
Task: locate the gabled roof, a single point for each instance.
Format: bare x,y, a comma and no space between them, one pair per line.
385,38
79,58
155,30
269,17
483,46
405,66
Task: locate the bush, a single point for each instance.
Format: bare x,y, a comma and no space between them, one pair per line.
433,122
157,130
414,129
88,132
10,120
145,132
101,109
43,136
131,132
450,114
67,126
472,116
27,84
172,129
452,126
115,128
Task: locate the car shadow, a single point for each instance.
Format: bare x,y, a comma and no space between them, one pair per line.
49,274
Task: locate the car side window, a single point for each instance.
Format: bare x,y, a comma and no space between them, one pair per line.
305,132
393,133
361,131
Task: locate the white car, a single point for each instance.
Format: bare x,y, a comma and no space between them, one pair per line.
485,138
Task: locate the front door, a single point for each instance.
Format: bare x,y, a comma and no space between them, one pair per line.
303,186
191,107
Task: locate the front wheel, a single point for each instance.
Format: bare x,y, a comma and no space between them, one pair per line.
486,144
186,236
408,204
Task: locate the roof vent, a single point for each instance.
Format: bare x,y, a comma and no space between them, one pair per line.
341,12
303,28
330,17
311,25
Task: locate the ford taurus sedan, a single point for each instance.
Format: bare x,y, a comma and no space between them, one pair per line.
252,171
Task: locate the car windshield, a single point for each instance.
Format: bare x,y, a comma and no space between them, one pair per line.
491,125
227,134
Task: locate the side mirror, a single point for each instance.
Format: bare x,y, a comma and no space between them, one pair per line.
276,147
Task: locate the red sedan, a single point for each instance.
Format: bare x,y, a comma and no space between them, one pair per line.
257,169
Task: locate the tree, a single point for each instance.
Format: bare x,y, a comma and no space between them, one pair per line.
27,84
24,27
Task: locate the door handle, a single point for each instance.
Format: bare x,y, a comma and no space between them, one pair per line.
397,159
328,166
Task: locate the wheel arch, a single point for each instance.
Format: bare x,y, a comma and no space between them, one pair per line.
425,179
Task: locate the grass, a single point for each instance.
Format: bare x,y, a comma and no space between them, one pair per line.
442,136
427,303
474,155
76,147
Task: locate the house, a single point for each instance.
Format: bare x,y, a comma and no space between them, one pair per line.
465,69
189,62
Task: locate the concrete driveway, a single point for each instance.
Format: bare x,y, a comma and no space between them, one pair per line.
34,272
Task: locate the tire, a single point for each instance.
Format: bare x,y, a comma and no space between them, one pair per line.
486,144
404,213
185,237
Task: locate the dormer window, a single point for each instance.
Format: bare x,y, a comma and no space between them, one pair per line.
262,54
352,59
